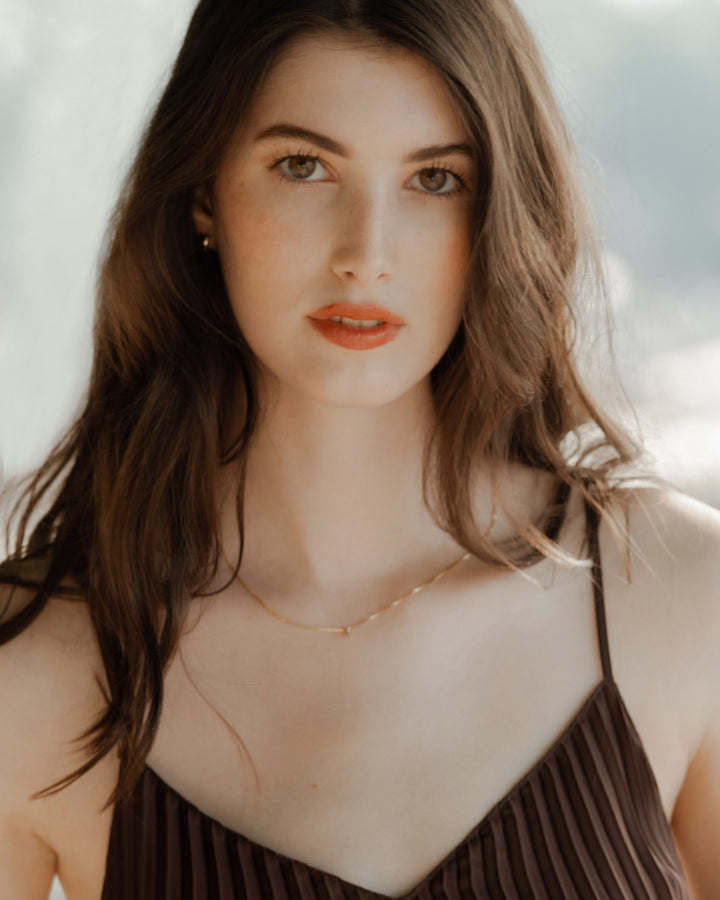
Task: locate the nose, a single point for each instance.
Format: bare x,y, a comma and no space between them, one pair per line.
362,251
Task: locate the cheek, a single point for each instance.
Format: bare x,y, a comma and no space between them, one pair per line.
252,240
442,261
262,253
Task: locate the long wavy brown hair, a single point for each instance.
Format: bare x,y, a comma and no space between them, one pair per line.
123,512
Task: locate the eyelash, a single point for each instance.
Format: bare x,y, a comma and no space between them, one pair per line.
461,183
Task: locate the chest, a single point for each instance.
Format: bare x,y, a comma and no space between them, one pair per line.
374,756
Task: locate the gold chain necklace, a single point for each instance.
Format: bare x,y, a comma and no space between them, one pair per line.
345,629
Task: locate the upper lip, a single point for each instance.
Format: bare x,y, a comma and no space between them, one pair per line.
370,312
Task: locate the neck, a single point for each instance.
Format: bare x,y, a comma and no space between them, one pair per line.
333,503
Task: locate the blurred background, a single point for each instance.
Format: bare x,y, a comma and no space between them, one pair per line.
639,81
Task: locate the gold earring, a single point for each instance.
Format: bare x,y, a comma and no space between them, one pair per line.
206,242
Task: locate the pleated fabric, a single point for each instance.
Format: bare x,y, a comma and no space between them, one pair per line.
585,823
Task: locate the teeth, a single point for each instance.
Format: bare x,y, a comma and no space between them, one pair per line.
357,323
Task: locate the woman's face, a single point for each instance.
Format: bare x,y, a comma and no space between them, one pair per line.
344,202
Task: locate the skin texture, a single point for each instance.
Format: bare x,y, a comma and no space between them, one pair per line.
365,229
363,226
460,690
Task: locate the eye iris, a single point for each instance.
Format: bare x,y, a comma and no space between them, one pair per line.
434,179
301,166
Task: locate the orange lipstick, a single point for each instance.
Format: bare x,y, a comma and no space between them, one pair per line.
356,327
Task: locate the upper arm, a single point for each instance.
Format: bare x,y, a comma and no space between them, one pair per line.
49,696
27,863
696,819
696,815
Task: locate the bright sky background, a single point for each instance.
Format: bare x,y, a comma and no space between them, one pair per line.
77,79
641,87
645,4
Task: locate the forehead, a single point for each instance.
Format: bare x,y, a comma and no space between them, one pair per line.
357,92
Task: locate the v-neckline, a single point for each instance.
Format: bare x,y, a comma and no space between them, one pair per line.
605,686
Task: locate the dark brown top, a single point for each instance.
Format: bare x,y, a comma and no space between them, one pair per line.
586,823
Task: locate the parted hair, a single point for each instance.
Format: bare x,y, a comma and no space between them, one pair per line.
122,514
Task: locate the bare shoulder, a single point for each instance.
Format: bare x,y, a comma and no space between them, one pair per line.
664,572
686,529
673,555
50,676
664,612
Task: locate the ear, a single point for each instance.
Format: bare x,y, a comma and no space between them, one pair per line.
202,212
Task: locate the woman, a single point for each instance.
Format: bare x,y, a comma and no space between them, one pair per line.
337,587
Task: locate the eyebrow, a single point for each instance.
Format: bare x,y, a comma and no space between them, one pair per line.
424,154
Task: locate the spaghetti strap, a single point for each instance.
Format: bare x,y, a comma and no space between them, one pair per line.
592,518
586,820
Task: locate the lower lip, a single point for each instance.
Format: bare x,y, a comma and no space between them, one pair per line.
356,338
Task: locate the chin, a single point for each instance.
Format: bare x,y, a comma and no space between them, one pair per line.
358,398
344,386
371,394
